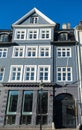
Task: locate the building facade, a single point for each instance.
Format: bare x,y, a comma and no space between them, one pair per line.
78,35
38,74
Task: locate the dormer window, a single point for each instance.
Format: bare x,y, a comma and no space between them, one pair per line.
63,37
34,20
4,37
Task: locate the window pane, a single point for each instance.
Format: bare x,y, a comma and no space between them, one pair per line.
12,101
10,119
26,119
42,102
27,101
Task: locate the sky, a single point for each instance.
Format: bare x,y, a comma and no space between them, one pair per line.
60,11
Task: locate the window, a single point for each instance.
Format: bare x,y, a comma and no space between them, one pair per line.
32,34
64,74
1,74
30,73
44,51
45,33
27,107
63,37
31,51
63,52
18,51
34,20
11,107
44,73
3,52
16,73
20,34
4,37
42,107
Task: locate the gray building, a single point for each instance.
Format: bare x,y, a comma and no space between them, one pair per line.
39,74
66,74
78,35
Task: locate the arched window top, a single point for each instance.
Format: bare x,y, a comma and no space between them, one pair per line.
63,36
5,37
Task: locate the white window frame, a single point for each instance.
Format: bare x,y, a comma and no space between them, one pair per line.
30,66
18,47
11,113
11,72
43,66
64,72
34,20
20,34
64,50
36,51
45,33
2,70
45,47
3,52
33,33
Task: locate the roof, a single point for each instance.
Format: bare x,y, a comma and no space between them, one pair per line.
31,12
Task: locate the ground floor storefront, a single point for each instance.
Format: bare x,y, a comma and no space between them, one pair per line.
32,105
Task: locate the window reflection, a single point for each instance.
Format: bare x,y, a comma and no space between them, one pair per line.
42,108
27,107
11,107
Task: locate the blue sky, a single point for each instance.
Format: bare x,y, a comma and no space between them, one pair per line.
60,11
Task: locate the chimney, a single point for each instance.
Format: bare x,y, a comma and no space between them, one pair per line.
68,25
80,23
64,26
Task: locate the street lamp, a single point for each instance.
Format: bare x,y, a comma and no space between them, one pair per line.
41,92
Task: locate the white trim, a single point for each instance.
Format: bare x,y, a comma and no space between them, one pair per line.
37,34
43,66
20,30
30,66
33,25
44,47
18,47
3,52
39,13
45,32
66,76
64,49
36,47
15,66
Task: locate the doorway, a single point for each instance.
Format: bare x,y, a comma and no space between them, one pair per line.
64,111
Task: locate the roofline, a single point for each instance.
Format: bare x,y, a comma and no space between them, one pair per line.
34,26
38,12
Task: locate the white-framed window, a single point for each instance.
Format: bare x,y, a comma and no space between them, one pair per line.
31,51
15,73
34,20
44,51
63,52
18,51
29,73
20,34
45,34
32,34
11,111
64,74
3,52
2,71
12,102
44,73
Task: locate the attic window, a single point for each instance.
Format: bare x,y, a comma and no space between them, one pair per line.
34,20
